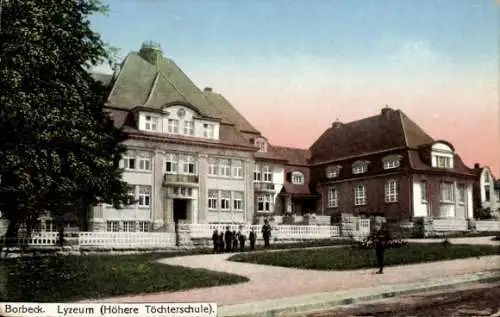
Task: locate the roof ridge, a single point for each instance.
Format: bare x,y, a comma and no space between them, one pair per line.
401,114
125,60
153,87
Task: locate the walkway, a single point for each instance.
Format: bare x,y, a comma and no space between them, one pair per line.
268,282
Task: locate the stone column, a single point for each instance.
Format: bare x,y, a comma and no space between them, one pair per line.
249,167
202,192
194,208
168,215
157,192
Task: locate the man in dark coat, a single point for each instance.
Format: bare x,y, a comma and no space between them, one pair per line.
266,233
241,238
235,241
228,237
221,242
252,237
215,240
381,240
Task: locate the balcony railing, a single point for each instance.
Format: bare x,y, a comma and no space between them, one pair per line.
264,187
180,179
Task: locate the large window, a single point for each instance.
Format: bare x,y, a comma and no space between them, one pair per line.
128,162
333,197
264,202
359,167
225,200
171,163
360,195
208,130
213,166
188,164
238,201
391,191
129,226
447,192
188,127
297,178
137,160
332,171
443,161
461,193
173,126
237,166
151,123
268,173
225,167
144,226
131,195
112,226
144,196
423,191
257,176
391,163
144,163
212,199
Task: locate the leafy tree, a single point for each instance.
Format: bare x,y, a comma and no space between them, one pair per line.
58,150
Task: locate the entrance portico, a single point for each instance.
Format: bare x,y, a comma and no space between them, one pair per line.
181,205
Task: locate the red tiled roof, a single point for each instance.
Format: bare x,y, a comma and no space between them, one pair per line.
295,189
294,156
391,129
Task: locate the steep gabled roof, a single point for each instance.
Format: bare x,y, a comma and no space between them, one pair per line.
391,129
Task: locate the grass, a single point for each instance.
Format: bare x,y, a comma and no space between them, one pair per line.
348,258
72,278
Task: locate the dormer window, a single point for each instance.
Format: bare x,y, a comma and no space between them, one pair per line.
297,178
443,161
442,155
261,144
392,161
173,126
208,130
359,167
333,171
188,127
151,123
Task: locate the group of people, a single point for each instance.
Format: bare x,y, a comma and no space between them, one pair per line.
232,241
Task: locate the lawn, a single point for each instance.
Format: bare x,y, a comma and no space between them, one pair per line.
349,258
71,278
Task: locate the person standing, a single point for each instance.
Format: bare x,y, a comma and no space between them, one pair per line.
228,237
215,240
235,241
221,242
252,237
266,233
242,237
381,238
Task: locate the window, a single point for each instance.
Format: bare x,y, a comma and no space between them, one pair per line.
333,197
487,193
391,191
151,123
268,174
143,226
264,203
391,163
144,164
144,196
213,166
443,161
225,200
187,162
297,178
129,162
332,171
173,126
359,167
129,226
486,177
461,194
447,193
112,226
208,130
188,127
261,144
225,167
212,199
237,166
171,163
360,195
237,200
257,176
131,195
423,191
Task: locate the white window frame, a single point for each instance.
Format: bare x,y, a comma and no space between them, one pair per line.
225,200
297,178
173,159
423,192
237,168
151,123
267,174
332,171
225,167
443,161
213,166
144,163
129,162
261,144
188,164
264,201
143,226
332,197
461,192
447,192
359,168
209,130
173,126
144,197
188,127
131,193
257,174
391,163
360,195
213,197
129,226
391,191
238,201
112,226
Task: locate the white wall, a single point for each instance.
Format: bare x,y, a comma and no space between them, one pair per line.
278,179
470,202
419,209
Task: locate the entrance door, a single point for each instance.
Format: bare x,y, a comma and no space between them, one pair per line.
180,209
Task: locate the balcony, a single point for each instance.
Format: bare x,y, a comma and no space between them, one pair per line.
171,179
263,187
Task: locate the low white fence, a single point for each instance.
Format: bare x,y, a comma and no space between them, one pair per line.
127,239
488,225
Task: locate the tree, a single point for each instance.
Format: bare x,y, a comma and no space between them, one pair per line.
58,149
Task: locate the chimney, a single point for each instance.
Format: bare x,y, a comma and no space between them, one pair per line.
151,52
386,110
476,165
208,89
337,124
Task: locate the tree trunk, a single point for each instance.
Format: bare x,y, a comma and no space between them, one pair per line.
12,231
61,234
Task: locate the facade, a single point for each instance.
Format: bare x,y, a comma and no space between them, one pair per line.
486,191
386,165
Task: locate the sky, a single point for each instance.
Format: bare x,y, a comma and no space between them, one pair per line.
293,67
